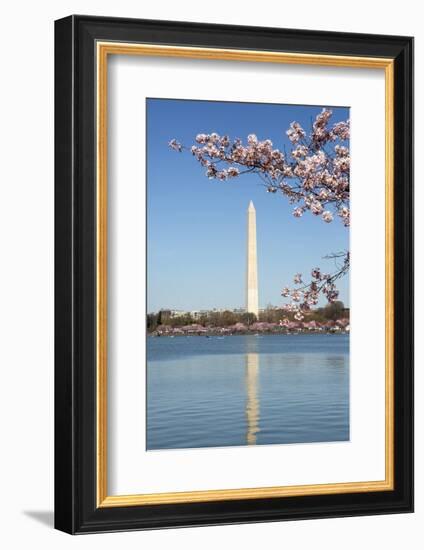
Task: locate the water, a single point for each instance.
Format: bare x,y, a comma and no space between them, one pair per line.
247,390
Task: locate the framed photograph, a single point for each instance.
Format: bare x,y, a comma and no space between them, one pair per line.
234,274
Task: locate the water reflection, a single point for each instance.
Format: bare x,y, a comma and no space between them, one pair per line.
252,400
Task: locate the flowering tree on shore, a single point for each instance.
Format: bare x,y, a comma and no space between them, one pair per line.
313,176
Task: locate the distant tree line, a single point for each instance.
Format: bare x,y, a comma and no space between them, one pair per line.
331,312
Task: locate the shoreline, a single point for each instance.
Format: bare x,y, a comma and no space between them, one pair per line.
257,334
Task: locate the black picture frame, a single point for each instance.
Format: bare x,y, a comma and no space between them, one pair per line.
76,508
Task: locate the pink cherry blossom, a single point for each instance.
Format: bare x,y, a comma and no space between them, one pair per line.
327,216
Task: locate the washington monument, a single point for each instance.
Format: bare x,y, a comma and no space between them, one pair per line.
252,303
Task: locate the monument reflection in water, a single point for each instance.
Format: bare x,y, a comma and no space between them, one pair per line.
252,396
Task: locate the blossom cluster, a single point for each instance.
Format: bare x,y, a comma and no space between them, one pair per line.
305,295
314,175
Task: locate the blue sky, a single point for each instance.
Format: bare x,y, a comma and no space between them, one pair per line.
196,227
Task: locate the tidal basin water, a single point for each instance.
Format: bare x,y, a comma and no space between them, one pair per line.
247,390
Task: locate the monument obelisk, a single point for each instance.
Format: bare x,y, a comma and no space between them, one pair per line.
252,303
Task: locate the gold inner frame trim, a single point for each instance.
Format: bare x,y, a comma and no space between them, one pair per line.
103,50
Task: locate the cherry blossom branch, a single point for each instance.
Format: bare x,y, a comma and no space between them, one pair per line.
305,295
